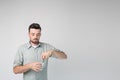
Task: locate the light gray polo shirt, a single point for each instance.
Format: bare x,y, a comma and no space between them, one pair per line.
27,54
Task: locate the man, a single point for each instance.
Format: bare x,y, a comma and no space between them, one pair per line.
31,58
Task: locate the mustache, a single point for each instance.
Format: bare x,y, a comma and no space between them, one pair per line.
35,39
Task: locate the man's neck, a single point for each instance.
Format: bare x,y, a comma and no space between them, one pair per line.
33,44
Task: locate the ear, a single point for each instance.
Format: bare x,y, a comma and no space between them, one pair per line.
28,33
40,34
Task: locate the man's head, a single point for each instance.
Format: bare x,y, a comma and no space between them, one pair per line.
34,33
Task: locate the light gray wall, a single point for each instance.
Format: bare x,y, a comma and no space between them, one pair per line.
87,30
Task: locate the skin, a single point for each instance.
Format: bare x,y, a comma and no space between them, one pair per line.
34,35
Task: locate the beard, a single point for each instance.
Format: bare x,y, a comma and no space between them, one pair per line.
35,41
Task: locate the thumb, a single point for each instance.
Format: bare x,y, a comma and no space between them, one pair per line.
43,57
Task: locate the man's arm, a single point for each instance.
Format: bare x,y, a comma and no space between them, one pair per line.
56,53
36,66
21,69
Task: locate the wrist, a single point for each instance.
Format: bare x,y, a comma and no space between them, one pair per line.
29,66
51,52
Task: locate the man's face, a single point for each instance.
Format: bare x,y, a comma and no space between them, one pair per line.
34,35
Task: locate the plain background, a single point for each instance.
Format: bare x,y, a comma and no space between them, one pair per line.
87,30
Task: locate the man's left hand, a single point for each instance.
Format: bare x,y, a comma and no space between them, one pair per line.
47,54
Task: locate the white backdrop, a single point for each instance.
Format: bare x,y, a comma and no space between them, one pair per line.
87,30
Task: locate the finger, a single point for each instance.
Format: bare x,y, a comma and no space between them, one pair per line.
43,57
38,64
37,70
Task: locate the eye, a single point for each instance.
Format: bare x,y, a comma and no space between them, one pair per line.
32,34
38,34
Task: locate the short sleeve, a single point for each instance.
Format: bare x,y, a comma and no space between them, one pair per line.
18,58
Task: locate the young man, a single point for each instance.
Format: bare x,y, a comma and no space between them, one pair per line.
31,58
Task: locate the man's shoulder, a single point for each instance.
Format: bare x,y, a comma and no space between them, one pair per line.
44,44
25,45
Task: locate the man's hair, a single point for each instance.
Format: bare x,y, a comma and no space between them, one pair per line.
34,26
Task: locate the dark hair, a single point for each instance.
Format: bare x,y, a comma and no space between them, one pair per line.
34,26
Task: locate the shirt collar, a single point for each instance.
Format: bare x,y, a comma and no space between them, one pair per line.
29,45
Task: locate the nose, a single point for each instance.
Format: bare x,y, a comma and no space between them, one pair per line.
35,36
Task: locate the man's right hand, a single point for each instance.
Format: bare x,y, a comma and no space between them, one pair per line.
36,66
